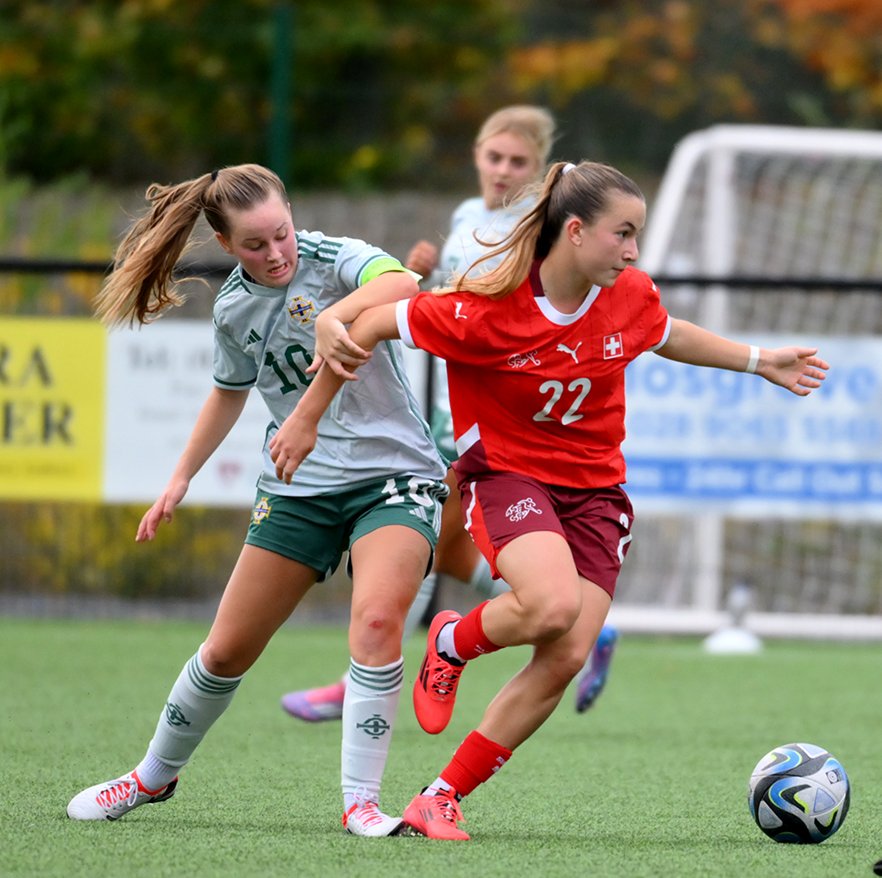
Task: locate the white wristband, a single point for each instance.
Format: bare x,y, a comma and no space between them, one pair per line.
753,359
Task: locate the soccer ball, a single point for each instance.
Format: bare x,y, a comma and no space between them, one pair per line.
798,793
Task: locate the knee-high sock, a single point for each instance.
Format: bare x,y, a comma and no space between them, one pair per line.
476,760
369,710
196,700
420,605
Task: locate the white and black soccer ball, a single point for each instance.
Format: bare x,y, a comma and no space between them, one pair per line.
799,793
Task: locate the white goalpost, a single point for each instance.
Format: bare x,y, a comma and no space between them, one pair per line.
795,515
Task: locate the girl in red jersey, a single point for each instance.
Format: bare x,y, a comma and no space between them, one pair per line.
536,351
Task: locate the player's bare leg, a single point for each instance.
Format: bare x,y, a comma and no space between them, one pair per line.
529,698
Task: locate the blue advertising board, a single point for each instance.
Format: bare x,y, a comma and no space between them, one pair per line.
704,439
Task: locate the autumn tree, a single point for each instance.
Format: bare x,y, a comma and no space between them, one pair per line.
636,75
842,41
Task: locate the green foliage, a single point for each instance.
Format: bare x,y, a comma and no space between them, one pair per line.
652,781
90,549
72,219
146,88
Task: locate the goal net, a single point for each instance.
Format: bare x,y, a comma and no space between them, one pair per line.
777,232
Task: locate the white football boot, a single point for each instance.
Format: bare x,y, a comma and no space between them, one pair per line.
115,798
366,818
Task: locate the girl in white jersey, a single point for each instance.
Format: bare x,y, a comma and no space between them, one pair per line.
371,487
536,352
510,151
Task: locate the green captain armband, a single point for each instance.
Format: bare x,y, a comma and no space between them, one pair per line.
381,265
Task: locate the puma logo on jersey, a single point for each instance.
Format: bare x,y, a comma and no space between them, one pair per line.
573,352
457,314
518,361
520,510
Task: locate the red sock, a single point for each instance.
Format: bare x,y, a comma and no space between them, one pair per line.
476,760
468,635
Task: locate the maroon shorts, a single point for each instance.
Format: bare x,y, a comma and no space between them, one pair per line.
596,523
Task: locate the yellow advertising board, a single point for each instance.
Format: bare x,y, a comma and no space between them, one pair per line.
52,387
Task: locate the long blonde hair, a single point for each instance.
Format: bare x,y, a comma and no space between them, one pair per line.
141,284
581,190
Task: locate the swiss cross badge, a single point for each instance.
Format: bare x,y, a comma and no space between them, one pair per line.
612,346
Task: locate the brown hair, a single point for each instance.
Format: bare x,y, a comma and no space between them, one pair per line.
581,190
533,124
141,285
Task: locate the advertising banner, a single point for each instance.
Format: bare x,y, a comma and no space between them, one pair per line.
702,439
158,377
51,409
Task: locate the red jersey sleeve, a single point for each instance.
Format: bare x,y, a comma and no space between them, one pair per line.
450,325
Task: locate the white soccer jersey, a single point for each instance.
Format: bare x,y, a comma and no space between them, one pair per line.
460,249
265,338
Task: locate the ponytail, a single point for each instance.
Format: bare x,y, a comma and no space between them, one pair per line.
141,285
568,190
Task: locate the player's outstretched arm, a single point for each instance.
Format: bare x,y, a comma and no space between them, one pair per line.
296,437
797,369
219,413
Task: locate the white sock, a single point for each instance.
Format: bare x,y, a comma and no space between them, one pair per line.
154,773
437,786
420,605
483,582
369,710
196,700
444,642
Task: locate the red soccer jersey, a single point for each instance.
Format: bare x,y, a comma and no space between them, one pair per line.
535,391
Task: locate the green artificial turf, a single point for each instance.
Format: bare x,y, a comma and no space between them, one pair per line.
651,781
